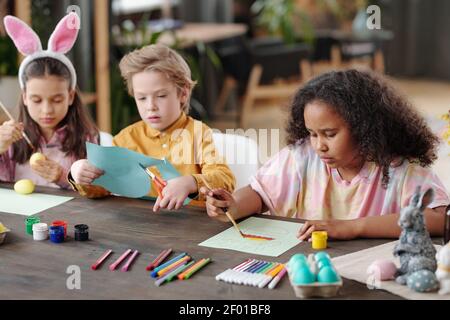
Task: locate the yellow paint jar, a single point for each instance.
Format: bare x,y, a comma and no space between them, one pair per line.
319,240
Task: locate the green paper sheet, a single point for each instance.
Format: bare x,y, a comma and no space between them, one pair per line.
283,232
12,202
123,176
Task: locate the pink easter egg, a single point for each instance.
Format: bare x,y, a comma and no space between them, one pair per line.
382,269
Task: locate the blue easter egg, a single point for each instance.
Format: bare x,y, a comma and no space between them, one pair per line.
327,275
321,255
423,281
297,260
303,276
324,263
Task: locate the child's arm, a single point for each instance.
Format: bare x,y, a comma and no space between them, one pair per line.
242,203
384,226
80,177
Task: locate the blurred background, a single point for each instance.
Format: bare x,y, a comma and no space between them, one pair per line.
249,56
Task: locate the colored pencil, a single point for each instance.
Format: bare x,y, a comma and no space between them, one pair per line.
160,258
114,265
101,259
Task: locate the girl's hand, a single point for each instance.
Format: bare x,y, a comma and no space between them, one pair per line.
47,169
84,173
175,192
10,132
336,229
218,201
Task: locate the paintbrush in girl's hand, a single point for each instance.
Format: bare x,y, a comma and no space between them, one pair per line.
24,135
225,210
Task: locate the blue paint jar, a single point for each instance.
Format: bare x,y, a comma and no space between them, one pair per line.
56,234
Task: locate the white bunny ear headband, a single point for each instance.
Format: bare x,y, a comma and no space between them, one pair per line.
29,44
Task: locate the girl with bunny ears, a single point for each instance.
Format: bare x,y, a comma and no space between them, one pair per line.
51,112
357,151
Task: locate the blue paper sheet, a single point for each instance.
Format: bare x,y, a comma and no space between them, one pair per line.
123,175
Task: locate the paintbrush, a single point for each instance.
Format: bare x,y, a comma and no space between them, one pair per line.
225,210
24,135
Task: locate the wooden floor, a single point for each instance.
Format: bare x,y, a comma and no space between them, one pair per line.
431,98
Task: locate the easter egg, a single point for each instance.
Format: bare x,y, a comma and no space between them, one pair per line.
24,186
422,281
382,269
296,261
327,275
321,255
35,157
324,263
303,276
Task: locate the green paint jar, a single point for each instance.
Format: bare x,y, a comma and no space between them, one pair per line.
29,224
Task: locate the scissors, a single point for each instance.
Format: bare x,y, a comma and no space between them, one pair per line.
159,183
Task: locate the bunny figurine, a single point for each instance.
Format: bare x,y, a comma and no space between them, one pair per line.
415,249
443,269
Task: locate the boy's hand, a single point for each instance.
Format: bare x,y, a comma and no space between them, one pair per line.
218,201
336,229
84,173
47,169
175,192
10,132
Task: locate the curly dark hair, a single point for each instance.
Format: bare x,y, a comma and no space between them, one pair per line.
383,124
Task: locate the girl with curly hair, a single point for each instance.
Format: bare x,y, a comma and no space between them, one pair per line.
357,150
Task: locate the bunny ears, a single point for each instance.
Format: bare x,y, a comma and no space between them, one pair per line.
29,44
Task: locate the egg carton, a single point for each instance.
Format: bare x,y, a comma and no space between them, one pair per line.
316,289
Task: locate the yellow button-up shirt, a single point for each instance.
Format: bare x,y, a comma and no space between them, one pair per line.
187,144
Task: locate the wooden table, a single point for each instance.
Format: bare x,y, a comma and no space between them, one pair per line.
37,269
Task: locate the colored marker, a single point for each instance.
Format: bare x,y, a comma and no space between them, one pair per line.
175,274
101,259
204,263
162,279
113,266
130,260
277,279
154,273
182,275
160,258
173,266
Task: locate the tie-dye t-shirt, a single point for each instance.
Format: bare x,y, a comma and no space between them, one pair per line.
297,183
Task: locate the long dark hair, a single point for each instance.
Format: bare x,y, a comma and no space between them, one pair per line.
80,126
383,124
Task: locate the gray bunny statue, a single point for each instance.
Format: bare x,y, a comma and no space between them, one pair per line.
415,248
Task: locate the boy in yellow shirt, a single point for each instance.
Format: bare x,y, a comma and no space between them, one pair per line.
160,81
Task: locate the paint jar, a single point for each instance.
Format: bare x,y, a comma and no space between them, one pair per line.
447,225
62,223
56,234
319,240
40,231
81,232
29,224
